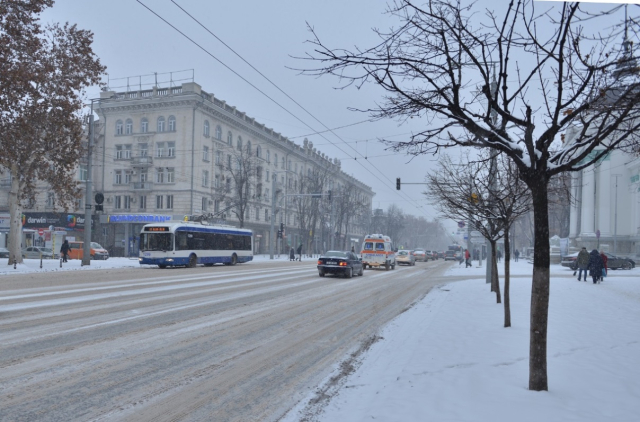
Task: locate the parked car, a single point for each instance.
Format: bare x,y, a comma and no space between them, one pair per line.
345,263
451,256
570,261
76,251
4,253
619,262
405,257
420,255
35,252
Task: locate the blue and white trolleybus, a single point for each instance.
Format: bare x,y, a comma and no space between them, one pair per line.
188,244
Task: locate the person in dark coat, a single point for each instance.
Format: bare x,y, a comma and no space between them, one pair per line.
292,254
300,252
583,263
595,265
517,254
64,250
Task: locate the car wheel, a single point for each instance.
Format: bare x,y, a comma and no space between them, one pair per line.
393,266
192,261
626,266
321,273
386,266
162,267
349,273
361,271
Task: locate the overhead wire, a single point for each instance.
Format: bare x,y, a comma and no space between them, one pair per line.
376,175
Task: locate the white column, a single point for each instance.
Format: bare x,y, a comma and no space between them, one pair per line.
575,206
605,199
588,203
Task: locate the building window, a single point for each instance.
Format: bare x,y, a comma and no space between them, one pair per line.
127,202
169,202
218,157
51,199
205,178
127,177
268,156
171,149
228,188
229,162
217,181
257,214
160,124
205,153
119,153
266,214
171,174
266,195
229,138
205,131
259,151
128,127
282,163
82,172
267,175
126,152
159,201
117,202
144,175
143,150
160,149
204,203
172,124
160,175
143,202
119,127
216,206
239,143
144,125
117,177
248,148
218,133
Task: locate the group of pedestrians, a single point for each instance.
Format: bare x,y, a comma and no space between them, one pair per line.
593,263
292,254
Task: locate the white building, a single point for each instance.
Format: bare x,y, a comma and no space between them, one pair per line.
164,152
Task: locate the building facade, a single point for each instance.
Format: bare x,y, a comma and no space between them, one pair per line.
179,151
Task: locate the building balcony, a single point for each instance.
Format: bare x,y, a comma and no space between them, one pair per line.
143,162
142,186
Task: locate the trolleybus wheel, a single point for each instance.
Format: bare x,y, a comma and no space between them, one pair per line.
192,261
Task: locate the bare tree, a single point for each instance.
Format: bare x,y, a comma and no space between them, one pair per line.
241,173
43,74
551,69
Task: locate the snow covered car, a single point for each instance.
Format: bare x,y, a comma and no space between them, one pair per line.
344,263
35,252
405,257
570,261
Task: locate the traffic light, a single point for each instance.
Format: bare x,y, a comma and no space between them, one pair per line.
282,227
330,195
397,183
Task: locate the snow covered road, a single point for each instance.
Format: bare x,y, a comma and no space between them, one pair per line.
224,343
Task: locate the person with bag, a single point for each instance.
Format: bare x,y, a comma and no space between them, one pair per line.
64,250
605,269
583,263
467,255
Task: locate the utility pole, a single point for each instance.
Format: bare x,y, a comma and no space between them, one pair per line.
273,215
86,251
615,218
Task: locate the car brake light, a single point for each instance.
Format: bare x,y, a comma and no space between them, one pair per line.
343,264
319,262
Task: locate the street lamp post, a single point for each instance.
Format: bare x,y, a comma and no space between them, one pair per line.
86,251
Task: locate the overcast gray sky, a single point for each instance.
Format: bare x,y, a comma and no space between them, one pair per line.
130,40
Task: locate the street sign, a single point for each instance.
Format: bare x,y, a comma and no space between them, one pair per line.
40,232
461,224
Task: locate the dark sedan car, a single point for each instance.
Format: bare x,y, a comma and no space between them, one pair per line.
619,262
340,262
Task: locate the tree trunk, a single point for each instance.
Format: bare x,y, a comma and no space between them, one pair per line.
539,288
495,283
507,269
15,219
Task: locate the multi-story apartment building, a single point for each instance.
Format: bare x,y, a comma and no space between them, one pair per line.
167,153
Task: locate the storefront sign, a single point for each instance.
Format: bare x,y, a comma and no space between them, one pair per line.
35,220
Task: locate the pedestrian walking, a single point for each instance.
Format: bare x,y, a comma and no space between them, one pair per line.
292,254
467,255
517,255
300,252
595,265
583,263
64,250
499,255
605,268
